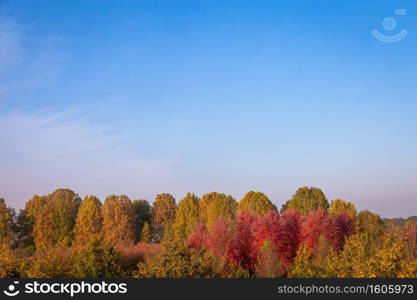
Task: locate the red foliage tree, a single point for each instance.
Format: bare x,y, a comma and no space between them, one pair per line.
220,237
289,239
267,227
334,229
241,248
338,229
198,237
283,233
314,225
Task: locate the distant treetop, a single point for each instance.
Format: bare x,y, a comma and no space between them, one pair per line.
256,202
307,199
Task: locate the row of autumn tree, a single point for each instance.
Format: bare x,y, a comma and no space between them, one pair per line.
60,235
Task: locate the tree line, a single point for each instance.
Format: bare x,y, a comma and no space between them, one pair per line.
62,235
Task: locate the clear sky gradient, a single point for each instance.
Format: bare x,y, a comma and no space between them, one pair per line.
144,97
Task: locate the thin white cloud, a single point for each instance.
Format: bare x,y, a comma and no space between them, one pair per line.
40,152
21,69
10,52
43,150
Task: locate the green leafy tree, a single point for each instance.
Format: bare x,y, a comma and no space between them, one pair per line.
307,199
118,221
350,262
221,206
186,216
143,212
146,235
256,202
24,228
51,262
26,222
339,206
163,214
312,263
176,261
304,266
371,224
268,264
409,269
89,222
8,263
410,235
7,224
387,261
205,201
66,204
54,218
96,260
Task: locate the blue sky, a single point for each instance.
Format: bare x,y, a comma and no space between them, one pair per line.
144,97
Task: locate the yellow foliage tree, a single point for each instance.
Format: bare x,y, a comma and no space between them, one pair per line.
8,263
205,201
186,216
387,261
313,263
221,206
163,214
6,224
339,206
371,224
409,269
256,202
54,262
145,235
89,222
118,221
307,199
349,263
303,266
268,264
54,218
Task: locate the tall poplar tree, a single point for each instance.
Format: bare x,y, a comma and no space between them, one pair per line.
7,225
222,206
89,224
205,201
143,213
186,216
118,220
163,214
54,218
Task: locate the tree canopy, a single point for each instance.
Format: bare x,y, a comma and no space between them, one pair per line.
307,199
222,206
186,216
118,220
89,224
256,202
163,214
58,235
143,212
339,206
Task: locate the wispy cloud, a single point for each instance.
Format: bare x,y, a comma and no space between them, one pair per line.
21,69
43,151
10,51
